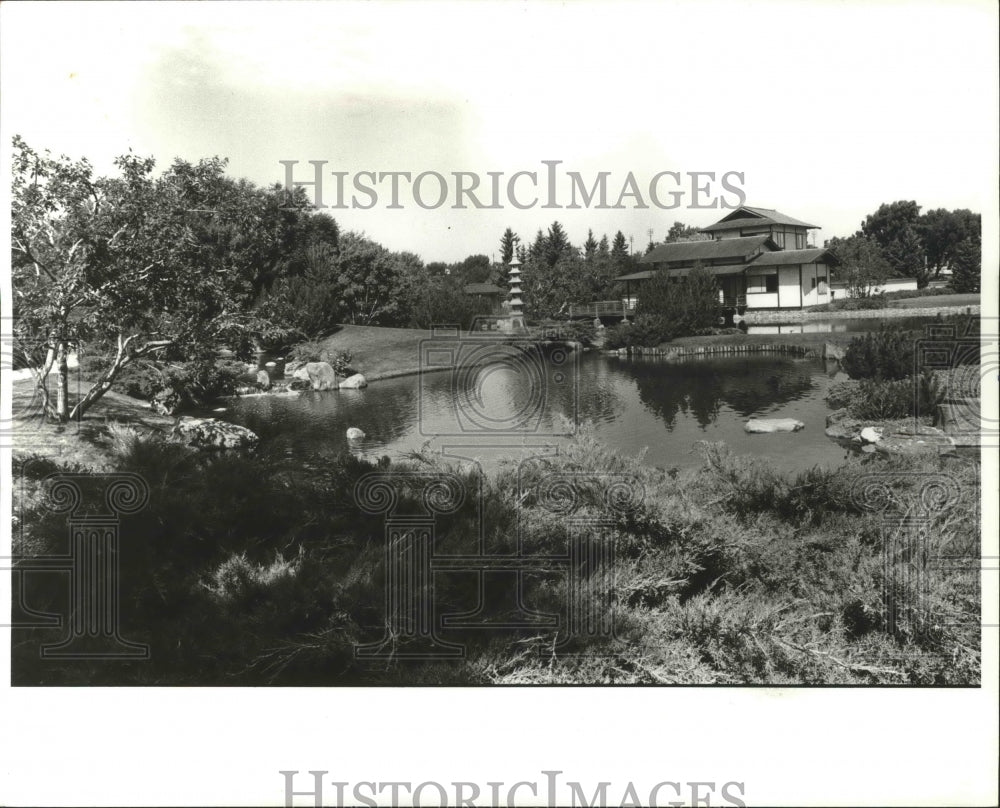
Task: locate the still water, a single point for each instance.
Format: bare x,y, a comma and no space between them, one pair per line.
663,407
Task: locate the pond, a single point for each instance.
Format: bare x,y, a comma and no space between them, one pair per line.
660,406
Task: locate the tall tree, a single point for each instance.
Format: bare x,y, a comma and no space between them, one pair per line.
619,247
942,231
894,227
966,266
508,242
556,244
590,246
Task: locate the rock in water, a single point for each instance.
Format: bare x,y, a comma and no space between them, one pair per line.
354,382
319,374
767,425
353,433
208,433
263,380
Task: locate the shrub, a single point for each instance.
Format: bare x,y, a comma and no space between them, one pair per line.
841,394
184,385
315,351
884,354
883,400
853,304
678,308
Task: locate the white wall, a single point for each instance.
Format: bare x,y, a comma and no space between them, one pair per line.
891,285
821,294
762,300
788,287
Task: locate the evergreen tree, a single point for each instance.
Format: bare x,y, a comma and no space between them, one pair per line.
508,242
556,244
966,266
589,246
603,249
619,247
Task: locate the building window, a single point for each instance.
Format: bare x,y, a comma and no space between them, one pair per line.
800,241
760,284
779,239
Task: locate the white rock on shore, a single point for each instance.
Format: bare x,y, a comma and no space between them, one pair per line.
355,382
768,425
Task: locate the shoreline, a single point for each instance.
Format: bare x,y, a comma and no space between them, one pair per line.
804,315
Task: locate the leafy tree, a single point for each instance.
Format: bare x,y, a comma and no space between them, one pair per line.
906,258
681,232
889,222
508,242
863,265
966,266
942,231
894,227
441,301
138,266
369,279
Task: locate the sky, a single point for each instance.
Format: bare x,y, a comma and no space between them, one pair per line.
824,110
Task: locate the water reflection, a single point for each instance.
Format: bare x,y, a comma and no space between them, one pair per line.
660,406
701,388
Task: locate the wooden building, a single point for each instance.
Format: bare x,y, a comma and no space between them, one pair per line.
761,259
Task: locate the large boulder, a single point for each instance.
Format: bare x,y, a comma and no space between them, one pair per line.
354,382
832,351
319,374
263,380
871,434
209,433
768,425
353,433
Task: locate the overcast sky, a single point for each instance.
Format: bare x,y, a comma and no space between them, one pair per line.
827,109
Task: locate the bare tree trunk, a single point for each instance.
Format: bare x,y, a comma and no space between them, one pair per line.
62,382
42,382
122,358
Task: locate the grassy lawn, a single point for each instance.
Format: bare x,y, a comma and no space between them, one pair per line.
81,443
379,352
971,299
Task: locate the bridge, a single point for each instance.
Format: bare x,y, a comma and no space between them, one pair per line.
620,309
625,307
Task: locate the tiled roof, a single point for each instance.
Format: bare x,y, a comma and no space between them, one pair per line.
785,257
759,216
739,249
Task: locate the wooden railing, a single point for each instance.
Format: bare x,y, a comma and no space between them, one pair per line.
603,308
